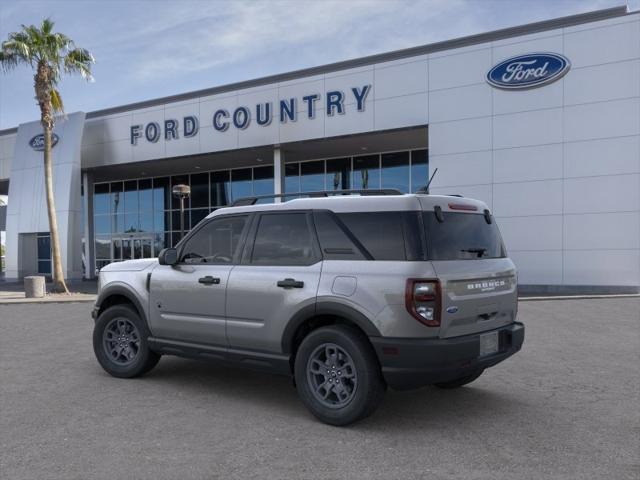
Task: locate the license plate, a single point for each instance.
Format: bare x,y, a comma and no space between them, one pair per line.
488,343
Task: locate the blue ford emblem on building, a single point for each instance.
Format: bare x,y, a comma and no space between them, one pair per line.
528,71
37,142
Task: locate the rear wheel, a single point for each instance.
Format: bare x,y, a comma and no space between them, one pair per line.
338,376
120,343
459,382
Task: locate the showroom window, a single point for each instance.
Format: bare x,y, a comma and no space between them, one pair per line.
406,171
44,252
138,218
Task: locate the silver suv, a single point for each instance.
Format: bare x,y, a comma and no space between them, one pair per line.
348,294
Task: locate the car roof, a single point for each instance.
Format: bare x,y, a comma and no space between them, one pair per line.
368,203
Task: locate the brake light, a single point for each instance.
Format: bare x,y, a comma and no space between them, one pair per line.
422,299
462,206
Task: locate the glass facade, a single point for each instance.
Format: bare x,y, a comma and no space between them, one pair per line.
43,240
406,171
138,218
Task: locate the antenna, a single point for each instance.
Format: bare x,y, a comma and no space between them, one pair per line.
430,180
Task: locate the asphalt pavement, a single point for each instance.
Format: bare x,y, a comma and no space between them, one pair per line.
566,407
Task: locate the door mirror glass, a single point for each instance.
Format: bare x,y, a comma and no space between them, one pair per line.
168,256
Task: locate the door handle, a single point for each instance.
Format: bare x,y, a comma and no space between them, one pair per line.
290,283
209,280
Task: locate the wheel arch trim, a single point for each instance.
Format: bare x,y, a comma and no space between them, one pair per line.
123,290
326,308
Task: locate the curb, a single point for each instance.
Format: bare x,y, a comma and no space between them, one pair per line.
578,297
20,301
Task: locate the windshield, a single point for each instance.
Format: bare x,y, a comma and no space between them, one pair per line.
462,236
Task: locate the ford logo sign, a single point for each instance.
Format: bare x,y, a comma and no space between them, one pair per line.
528,71
452,309
37,142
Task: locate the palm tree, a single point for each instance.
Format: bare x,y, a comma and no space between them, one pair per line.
50,55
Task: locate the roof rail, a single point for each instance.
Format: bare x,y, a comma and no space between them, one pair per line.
245,201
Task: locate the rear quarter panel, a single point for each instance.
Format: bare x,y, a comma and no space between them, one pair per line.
378,293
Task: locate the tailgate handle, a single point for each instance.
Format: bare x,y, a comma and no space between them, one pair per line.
488,316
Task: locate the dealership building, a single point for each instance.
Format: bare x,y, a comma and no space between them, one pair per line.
540,121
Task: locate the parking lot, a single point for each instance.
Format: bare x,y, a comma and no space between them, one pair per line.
567,406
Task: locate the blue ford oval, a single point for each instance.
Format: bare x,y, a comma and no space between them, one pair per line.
528,71
37,142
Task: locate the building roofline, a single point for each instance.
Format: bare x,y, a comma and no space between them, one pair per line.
459,42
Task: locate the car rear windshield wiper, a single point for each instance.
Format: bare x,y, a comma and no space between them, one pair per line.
479,251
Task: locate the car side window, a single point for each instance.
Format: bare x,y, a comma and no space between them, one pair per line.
334,239
283,239
216,242
381,233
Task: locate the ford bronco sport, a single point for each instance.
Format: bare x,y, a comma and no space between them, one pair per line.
348,294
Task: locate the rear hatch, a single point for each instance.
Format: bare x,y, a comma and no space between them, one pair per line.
478,281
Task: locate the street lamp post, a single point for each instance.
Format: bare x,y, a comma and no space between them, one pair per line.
182,192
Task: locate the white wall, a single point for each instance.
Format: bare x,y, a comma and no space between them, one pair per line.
398,98
7,145
560,164
27,208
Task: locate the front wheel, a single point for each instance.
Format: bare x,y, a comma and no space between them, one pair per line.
338,376
120,343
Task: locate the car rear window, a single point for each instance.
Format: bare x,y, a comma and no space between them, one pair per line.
462,236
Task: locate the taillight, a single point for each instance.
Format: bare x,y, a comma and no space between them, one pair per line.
422,299
463,206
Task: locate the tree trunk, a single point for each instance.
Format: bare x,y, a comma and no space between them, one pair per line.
59,284
43,95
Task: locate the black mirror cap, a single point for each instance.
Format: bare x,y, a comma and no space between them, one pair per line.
168,256
439,215
487,217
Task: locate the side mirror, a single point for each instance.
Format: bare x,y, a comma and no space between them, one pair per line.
168,256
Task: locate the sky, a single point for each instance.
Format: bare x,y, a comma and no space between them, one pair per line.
147,49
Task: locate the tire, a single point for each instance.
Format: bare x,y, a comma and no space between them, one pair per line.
342,355
459,382
132,357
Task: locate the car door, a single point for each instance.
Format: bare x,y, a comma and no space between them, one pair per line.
278,276
187,300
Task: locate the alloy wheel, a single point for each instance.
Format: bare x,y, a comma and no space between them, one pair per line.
121,341
331,375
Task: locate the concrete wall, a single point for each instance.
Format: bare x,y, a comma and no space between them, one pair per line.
560,164
7,146
27,209
397,99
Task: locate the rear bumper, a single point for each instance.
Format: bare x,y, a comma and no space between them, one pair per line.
412,363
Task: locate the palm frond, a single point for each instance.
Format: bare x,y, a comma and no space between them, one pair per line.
8,60
47,26
19,45
33,37
52,53
79,60
56,101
